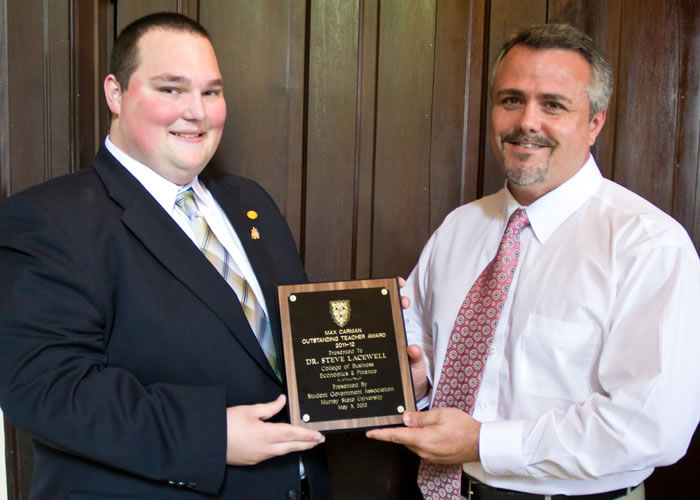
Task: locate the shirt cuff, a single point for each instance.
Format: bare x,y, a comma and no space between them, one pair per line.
423,402
500,447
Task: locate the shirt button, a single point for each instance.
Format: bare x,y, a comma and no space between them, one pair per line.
492,351
292,494
485,404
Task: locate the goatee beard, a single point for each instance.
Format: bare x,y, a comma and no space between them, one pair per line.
521,176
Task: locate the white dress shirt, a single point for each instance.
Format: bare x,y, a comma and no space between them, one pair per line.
165,193
592,379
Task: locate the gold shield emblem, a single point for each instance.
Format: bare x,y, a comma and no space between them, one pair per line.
340,311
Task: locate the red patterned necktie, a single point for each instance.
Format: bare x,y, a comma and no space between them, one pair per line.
467,351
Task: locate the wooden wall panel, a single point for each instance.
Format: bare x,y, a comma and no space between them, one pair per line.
475,112
260,50
368,24
331,139
58,88
39,86
367,122
4,107
370,470
447,127
647,110
130,10
687,186
402,158
26,88
91,19
19,460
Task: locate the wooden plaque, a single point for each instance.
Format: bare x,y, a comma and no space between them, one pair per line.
345,354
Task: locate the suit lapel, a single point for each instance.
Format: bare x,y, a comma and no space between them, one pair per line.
150,224
236,208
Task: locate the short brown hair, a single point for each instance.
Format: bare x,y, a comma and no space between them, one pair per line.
124,58
563,36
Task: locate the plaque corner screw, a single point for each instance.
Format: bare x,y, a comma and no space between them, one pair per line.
306,417
292,298
400,409
384,291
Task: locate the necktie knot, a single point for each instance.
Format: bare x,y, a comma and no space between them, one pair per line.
511,236
518,221
185,200
202,233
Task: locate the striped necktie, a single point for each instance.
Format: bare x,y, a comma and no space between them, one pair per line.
224,263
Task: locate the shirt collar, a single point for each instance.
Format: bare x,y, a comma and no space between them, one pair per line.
548,212
159,187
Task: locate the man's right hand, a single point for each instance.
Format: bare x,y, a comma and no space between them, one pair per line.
250,439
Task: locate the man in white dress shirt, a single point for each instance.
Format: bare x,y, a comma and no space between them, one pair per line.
592,379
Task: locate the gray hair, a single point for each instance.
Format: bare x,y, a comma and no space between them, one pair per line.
563,36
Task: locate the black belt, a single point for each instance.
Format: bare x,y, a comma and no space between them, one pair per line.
474,490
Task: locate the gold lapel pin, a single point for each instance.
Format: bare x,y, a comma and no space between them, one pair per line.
252,214
254,234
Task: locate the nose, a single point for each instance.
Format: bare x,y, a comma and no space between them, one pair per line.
194,108
530,119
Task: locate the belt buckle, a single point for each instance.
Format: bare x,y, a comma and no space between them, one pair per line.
470,482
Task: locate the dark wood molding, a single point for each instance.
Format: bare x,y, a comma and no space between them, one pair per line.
686,206
4,107
12,464
93,34
18,462
475,101
449,108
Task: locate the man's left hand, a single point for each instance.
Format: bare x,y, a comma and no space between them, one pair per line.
444,435
405,301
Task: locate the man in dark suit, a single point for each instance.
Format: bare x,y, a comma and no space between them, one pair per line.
140,369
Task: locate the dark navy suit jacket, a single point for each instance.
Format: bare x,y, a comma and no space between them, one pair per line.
121,346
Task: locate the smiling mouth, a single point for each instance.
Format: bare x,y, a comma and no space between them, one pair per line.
187,135
526,144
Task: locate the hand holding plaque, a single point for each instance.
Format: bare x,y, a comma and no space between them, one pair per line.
345,354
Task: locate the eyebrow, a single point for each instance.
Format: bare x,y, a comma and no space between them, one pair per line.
168,78
541,97
554,97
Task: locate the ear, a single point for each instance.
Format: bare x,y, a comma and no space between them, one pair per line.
596,125
113,94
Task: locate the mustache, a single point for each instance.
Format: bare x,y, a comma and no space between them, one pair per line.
533,139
